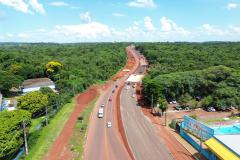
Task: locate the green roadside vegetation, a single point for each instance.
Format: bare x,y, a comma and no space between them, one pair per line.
194,74
72,67
79,135
40,141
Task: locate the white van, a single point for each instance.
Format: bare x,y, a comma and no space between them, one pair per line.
100,113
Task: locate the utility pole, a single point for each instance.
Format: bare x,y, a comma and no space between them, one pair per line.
166,118
25,137
46,110
152,103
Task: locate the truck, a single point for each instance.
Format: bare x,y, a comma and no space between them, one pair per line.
100,113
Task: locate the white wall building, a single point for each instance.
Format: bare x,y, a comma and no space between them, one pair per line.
31,85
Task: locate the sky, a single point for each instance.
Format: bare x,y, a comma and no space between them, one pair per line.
70,21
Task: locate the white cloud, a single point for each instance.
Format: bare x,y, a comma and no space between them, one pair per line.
85,17
19,5
58,3
118,14
22,35
232,6
9,35
235,29
38,7
148,24
167,25
23,6
211,30
90,31
142,4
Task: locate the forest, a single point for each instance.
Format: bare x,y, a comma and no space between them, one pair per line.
73,68
189,72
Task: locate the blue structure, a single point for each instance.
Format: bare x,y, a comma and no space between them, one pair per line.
199,130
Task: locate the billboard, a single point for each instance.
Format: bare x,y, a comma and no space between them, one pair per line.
197,128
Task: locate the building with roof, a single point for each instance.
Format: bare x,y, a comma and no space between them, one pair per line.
31,85
219,143
225,146
134,78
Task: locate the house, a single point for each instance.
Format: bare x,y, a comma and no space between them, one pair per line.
31,85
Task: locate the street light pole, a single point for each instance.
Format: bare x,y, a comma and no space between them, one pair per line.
25,137
166,118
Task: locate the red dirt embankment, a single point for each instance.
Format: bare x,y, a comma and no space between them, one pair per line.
176,149
60,148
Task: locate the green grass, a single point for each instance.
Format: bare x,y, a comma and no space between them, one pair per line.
79,135
41,141
221,120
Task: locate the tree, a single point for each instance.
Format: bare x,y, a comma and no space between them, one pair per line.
7,81
11,131
53,67
34,102
162,105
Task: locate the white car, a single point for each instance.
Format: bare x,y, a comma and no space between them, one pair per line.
109,124
174,102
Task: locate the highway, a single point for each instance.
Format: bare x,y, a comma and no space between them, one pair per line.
142,136
106,143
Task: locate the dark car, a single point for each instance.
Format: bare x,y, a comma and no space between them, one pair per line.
110,99
178,108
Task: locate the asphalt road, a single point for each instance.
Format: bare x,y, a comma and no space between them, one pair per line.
104,143
141,134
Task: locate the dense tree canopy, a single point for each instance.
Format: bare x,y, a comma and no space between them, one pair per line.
73,68
34,102
184,71
81,64
11,132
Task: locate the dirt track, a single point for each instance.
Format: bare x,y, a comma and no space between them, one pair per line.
60,149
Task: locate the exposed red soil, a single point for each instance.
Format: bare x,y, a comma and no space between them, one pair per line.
177,149
60,148
130,64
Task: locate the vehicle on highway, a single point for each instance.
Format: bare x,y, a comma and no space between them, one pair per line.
110,99
102,105
100,113
113,91
116,86
109,124
133,95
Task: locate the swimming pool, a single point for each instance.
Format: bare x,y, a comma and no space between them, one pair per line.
234,129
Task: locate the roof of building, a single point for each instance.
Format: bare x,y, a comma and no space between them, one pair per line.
37,82
221,150
134,78
231,141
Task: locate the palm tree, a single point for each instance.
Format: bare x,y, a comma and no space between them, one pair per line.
163,106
